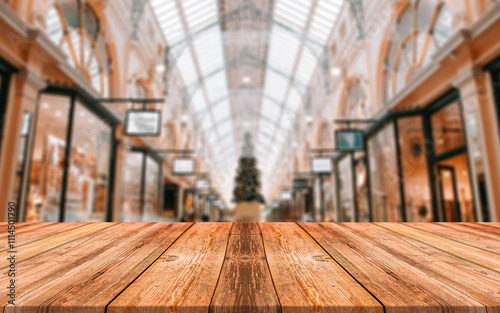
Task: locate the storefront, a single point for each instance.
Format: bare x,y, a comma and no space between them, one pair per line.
141,187
418,165
72,159
352,187
170,200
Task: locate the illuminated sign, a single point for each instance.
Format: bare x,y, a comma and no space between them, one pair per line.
350,140
143,123
321,165
183,166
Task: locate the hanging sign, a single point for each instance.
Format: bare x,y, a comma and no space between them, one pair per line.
286,195
143,123
202,184
183,166
300,184
350,140
321,165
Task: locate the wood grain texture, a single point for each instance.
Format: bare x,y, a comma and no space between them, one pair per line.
49,265
400,287
90,286
184,278
33,248
306,279
245,283
473,280
245,229
252,267
40,231
472,239
476,228
473,254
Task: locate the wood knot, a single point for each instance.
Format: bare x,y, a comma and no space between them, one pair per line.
169,258
245,258
322,258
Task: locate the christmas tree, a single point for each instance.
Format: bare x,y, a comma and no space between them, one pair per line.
247,181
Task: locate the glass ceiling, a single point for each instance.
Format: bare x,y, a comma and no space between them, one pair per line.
238,82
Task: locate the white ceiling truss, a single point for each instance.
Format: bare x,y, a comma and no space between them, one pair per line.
246,66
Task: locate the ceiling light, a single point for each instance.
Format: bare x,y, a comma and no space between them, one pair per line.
246,80
336,71
45,105
160,68
309,119
58,113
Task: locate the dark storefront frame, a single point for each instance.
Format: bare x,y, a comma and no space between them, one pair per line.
6,71
494,68
432,158
91,104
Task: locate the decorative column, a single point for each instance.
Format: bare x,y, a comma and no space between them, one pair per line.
482,136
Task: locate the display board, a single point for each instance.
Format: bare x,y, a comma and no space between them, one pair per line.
286,195
183,166
350,140
300,184
202,184
321,165
143,123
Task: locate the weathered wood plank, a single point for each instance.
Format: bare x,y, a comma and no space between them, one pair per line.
20,227
90,286
476,228
44,267
475,281
245,229
41,231
473,254
245,283
495,225
472,239
33,248
184,278
400,287
306,278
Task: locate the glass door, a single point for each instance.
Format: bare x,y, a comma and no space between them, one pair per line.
48,159
70,162
453,196
454,190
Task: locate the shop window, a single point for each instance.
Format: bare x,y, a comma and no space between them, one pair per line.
447,128
47,165
131,187
346,192
384,178
87,182
74,27
361,181
423,27
70,163
140,187
151,203
413,155
21,156
450,163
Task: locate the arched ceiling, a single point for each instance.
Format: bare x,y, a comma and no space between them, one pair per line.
246,65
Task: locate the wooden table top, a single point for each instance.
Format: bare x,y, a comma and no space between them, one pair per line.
253,267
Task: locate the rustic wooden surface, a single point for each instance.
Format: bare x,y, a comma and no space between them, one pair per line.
253,267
